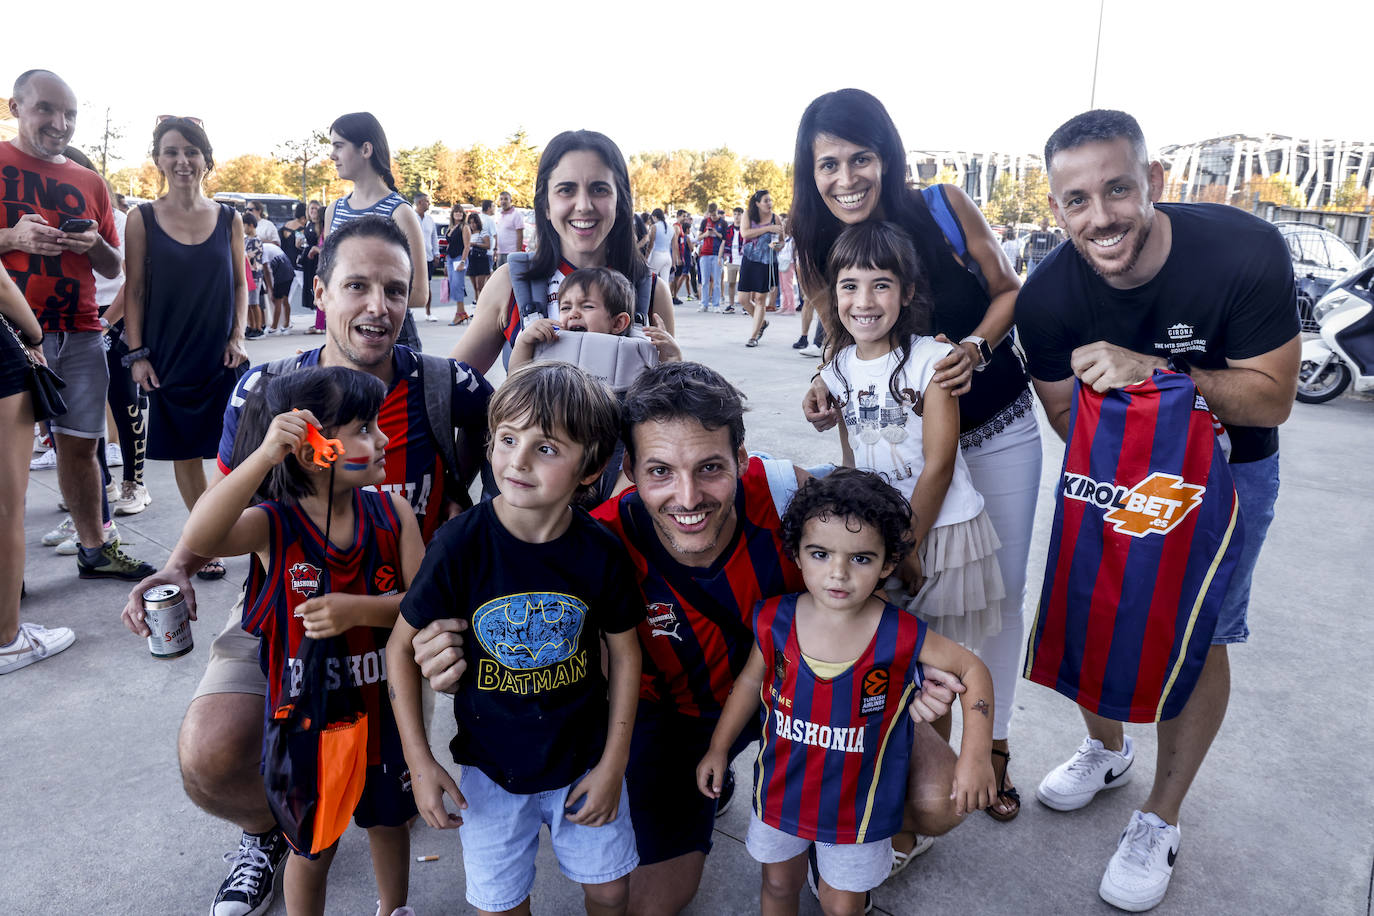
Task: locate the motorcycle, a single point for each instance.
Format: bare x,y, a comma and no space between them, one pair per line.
1344,348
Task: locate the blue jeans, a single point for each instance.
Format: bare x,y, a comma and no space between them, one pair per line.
710,280
457,282
1257,487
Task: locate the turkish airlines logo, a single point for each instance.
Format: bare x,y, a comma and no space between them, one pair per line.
1156,505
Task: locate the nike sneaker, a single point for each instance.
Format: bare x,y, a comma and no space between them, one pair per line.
1073,783
1137,877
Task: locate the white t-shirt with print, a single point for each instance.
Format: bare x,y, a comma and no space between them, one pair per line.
885,433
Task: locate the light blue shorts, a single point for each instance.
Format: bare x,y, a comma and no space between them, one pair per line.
1257,488
854,867
500,836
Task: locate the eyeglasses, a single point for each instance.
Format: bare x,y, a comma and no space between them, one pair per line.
196,121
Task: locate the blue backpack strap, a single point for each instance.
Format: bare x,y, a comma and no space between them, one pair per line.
940,208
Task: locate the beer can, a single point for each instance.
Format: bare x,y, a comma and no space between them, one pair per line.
165,611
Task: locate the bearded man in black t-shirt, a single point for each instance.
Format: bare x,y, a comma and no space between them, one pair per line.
1199,288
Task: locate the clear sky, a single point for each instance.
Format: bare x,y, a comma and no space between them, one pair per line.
985,76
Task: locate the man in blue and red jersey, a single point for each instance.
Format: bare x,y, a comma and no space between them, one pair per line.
1198,288
703,531
362,284
712,236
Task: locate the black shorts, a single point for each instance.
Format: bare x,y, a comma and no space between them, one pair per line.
671,817
14,366
756,277
387,800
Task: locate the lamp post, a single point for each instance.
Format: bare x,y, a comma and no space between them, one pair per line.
1097,54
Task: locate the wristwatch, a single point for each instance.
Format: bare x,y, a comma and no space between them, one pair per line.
984,351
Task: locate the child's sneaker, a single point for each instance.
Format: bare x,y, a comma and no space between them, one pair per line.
1075,782
110,562
33,644
251,884
62,532
1137,877
399,911
133,498
44,462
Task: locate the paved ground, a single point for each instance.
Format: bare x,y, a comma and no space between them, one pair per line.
1279,820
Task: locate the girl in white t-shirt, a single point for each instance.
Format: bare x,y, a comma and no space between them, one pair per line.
902,427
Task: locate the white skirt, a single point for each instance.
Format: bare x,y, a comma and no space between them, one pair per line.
961,597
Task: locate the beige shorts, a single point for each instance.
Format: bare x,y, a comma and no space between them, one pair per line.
233,666
731,272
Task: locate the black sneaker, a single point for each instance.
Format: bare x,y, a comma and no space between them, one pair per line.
727,793
110,562
251,884
800,344
813,877
676,301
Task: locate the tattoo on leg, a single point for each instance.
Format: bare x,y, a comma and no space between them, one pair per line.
982,706
391,692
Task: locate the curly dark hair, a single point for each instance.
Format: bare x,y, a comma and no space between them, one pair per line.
850,494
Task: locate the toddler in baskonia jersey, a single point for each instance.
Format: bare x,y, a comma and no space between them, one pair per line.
837,667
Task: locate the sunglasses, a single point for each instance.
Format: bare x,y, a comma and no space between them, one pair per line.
196,121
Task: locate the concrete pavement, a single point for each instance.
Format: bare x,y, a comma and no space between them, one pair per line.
1278,821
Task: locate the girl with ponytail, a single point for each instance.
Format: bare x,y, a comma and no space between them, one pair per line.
361,155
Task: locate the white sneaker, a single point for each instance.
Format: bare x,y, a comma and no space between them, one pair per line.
44,462
70,547
399,911
61,533
1137,877
1073,783
33,644
114,456
811,350
132,499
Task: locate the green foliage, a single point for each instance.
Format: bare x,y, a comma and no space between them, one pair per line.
767,174
1349,196
1016,201
719,181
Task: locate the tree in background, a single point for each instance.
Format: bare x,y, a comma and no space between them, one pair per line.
719,180
141,181
1015,201
307,155
767,174
110,134
250,174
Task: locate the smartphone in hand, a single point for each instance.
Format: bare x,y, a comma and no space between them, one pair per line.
74,225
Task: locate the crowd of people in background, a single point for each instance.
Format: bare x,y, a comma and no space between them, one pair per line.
786,583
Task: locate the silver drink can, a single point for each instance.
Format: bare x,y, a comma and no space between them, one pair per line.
165,611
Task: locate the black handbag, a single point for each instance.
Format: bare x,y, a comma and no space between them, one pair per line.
45,385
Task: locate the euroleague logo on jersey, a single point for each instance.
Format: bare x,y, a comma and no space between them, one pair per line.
305,579
384,579
874,691
1156,505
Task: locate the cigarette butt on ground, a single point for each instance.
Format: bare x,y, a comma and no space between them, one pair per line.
426,858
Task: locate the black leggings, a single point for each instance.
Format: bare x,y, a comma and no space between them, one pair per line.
127,405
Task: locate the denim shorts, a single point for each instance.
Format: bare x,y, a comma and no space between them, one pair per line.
79,358
854,867
500,836
1257,487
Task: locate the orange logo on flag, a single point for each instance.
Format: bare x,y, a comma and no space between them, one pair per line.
1156,505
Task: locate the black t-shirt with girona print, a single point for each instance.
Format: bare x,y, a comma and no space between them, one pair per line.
1225,292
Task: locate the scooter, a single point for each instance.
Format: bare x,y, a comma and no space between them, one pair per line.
1344,347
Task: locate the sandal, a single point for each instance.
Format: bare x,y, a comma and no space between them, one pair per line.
1005,792
212,570
762,329
753,342
459,319
901,860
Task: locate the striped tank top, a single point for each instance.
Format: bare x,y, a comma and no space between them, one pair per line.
344,213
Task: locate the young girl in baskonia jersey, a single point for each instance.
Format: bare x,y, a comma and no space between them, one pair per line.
837,667
331,557
905,429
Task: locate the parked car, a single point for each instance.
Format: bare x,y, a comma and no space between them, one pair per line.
1320,258
280,208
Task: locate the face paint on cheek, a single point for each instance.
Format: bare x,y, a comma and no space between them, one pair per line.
357,465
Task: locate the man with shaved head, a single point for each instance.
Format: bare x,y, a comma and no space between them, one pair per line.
57,230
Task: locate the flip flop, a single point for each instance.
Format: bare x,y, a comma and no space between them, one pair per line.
212,570
1005,792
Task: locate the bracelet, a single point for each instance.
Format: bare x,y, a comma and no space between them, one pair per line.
134,356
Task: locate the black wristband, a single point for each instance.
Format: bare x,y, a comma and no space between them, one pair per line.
133,356
31,344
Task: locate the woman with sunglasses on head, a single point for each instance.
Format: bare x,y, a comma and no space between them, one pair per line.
849,167
582,218
185,305
361,155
